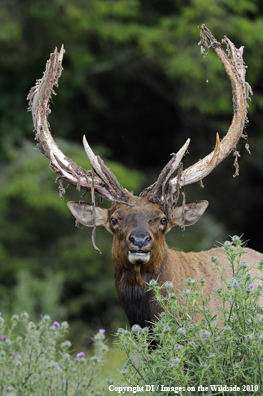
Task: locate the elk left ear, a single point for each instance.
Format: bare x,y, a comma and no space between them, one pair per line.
189,213
83,213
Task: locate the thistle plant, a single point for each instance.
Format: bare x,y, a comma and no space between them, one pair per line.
40,361
223,348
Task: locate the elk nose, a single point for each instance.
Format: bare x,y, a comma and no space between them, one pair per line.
140,238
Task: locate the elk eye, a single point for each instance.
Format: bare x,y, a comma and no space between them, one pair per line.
163,220
114,221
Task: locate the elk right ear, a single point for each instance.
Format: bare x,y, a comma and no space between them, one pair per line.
189,213
83,213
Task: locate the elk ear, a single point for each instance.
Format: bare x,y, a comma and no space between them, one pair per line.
83,213
189,213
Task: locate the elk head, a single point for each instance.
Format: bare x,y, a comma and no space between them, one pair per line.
138,229
139,223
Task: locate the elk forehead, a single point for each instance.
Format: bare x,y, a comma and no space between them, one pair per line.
143,212
137,216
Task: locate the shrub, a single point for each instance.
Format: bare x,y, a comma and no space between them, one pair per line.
197,355
39,362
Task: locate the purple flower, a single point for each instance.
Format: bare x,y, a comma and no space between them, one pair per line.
14,354
101,331
80,354
58,368
56,324
3,338
251,286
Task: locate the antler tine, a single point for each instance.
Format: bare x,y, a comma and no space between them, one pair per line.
235,69
105,174
157,191
39,97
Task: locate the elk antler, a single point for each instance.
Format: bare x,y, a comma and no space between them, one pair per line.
167,187
235,69
100,178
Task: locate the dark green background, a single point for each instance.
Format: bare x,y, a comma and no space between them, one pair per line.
134,83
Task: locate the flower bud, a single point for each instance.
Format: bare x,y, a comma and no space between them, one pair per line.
168,285
249,337
190,281
110,381
206,334
136,328
235,283
177,347
181,331
31,326
64,325
46,318
243,265
191,327
99,336
66,344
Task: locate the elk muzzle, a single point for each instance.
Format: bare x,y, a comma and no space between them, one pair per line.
140,242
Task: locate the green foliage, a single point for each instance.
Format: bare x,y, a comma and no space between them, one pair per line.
132,37
37,295
51,266
133,79
223,347
37,362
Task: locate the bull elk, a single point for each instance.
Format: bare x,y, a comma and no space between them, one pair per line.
139,223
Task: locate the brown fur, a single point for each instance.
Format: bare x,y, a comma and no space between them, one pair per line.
164,264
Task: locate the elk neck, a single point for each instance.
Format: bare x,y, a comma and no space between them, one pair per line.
132,285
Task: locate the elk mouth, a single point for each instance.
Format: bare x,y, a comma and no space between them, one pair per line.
138,257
